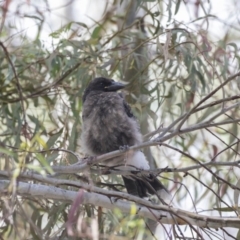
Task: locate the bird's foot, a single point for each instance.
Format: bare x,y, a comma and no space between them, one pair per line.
124,148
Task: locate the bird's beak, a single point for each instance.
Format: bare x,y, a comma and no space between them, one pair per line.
115,86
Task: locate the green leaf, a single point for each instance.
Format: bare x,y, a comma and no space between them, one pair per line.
63,29
236,193
96,32
52,157
44,162
238,235
153,115
51,141
201,78
177,6
200,18
81,24
37,123
6,151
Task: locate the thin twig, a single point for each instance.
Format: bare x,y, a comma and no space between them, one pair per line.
205,98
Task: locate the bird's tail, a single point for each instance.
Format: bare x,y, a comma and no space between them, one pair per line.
148,187
144,185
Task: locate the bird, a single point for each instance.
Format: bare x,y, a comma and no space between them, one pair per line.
108,125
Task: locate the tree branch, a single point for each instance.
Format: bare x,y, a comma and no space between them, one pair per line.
146,209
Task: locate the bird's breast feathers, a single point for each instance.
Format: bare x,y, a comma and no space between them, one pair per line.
106,125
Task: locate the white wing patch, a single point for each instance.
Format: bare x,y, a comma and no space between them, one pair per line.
137,159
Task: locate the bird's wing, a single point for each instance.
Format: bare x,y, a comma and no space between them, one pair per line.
128,109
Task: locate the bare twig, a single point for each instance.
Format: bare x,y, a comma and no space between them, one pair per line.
207,97
113,171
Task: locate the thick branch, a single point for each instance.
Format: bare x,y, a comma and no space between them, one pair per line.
146,209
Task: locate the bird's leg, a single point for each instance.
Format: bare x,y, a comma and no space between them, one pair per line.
91,160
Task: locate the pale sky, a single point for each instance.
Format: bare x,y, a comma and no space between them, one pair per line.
87,11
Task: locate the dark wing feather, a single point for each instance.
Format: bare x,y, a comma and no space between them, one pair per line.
128,110
135,187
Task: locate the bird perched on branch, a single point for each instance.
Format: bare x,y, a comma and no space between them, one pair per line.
108,125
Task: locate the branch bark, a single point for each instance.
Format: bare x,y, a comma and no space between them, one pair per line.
161,213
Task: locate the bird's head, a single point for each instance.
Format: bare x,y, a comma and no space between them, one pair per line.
102,85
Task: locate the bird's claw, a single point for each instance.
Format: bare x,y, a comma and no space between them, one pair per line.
124,148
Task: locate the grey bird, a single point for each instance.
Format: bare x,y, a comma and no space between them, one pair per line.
108,125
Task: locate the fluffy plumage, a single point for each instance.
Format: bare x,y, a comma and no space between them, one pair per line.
108,124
